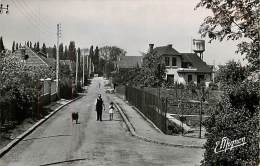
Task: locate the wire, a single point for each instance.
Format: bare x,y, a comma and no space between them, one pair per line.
33,22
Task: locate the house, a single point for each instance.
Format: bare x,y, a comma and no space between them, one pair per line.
128,62
31,58
183,67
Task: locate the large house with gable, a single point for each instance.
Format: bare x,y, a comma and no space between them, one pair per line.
183,68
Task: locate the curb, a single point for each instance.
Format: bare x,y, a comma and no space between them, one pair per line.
148,120
9,146
133,133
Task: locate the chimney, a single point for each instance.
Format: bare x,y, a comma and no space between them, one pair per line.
169,45
150,48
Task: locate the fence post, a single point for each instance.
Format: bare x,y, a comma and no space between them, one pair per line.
165,119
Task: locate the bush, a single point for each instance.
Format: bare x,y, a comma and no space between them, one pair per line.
236,116
66,88
213,86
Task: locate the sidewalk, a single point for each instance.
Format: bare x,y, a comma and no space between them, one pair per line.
29,126
143,129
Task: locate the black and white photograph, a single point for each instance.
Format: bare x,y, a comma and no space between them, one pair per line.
129,82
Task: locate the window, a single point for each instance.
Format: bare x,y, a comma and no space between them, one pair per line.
189,78
174,61
167,61
200,79
170,78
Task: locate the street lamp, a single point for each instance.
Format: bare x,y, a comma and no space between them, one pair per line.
2,9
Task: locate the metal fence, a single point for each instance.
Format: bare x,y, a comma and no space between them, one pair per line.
174,108
150,105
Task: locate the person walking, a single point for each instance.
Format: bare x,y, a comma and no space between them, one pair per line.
99,107
111,110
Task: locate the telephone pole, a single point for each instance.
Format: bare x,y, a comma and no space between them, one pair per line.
77,65
83,68
58,60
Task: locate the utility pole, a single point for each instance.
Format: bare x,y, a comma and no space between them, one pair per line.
77,66
2,9
58,60
83,68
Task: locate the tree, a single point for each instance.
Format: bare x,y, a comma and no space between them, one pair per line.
61,51
54,51
13,46
152,72
16,47
235,20
96,59
235,116
91,53
72,51
111,52
66,55
44,49
37,49
2,47
30,44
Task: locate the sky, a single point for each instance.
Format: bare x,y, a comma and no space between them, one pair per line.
128,24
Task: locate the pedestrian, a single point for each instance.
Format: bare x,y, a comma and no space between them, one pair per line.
111,110
99,107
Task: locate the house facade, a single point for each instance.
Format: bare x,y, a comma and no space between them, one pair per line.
183,68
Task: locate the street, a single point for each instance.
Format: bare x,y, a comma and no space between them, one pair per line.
91,142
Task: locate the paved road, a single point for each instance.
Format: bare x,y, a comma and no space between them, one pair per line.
59,142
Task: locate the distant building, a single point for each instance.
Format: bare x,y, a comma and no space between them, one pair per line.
129,62
183,67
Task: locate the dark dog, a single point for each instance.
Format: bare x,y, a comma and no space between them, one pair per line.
75,116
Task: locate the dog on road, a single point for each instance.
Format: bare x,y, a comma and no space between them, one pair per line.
75,117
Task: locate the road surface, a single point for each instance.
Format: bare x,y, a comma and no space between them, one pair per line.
91,143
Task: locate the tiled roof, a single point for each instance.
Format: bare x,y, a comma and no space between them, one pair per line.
35,59
130,61
166,50
192,58
196,62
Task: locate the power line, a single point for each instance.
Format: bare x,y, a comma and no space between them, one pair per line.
35,19
33,22
30,8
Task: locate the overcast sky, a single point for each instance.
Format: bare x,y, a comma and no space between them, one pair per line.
128,24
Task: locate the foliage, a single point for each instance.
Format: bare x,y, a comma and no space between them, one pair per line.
236,116
54,52
61,51
72,51
152,73
20,84
44,49
95,59
111,52
66,54
13,46
230,74
2,47
235,20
